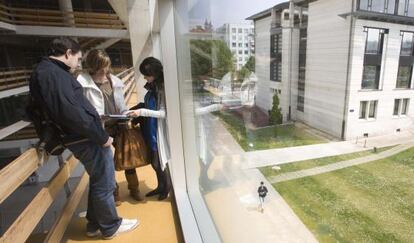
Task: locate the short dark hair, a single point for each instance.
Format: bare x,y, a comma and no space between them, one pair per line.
151,66
59,46
261,183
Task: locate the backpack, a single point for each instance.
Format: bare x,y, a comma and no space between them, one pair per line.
49,133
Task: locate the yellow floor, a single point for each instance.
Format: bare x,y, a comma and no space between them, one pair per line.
159,221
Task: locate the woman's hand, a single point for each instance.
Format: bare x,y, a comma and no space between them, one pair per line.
134,113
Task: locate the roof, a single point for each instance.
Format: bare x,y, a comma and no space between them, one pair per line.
267,12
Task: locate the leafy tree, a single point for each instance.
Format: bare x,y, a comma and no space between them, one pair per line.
210,58
275,114
247,68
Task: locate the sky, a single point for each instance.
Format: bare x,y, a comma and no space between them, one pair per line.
227,11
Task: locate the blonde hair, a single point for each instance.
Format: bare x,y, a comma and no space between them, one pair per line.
96,60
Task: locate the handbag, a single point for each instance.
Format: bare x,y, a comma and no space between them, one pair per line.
130,148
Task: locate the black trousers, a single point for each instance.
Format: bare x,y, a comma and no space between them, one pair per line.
164,184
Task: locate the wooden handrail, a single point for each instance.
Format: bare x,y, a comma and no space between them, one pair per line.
23,226
15,173
26,16
58,229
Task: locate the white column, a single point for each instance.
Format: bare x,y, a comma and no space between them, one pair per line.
140,34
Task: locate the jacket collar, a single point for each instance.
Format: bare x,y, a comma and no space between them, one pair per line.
85,79
58,63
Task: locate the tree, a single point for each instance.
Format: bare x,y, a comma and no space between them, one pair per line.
275,114
210,58
247,68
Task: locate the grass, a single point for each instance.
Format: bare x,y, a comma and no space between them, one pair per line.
372,202
307,164
266,138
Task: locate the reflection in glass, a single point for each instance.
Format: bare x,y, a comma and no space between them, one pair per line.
363,109
378,5
373,41
401,7
370,79
363,5
391,7
405,106
407,44
410,10
372,109
404,77
396,106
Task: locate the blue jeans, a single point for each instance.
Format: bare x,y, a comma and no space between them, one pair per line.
99,164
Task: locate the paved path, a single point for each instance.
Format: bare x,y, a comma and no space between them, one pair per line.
230,193
262,158
339,165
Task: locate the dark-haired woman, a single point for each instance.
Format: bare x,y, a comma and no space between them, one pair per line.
154,126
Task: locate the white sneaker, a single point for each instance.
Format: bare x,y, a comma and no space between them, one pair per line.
127,225
93,233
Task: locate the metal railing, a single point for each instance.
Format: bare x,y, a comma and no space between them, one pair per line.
16,172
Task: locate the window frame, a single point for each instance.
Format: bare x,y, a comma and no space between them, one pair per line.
365,110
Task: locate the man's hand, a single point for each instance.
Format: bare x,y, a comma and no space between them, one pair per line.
108,143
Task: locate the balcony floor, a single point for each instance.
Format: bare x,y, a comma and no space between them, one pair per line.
159,220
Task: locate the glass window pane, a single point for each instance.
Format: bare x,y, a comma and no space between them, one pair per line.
378,5
363,5
391,7
396,107
401,7
363,110
372,109
407,44
404,109
373,41
411,8
370,77
404,77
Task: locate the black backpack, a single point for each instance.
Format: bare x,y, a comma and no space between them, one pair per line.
49,133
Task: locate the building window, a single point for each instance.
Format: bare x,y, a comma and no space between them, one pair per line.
233,30
368,109
275,57
240,31
401,107
406,60
247,45
373,57
233,44
240,44
233,37
380,6
240,52
240,59
302,69
246,52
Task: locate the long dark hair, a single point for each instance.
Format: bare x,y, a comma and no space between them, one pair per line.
151,66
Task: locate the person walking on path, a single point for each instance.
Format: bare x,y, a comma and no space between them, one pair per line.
56,93
262,191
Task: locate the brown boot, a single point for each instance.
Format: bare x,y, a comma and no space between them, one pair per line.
117,197
133,184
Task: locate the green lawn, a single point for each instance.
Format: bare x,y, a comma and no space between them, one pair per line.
266,138
372,202
307,164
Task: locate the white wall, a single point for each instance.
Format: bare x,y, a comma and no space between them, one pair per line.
262,56
326,65
384,123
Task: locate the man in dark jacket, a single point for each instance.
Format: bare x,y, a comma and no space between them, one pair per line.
262,190
58,93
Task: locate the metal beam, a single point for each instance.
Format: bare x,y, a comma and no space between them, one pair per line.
6,26
13,128
11,92
67,31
